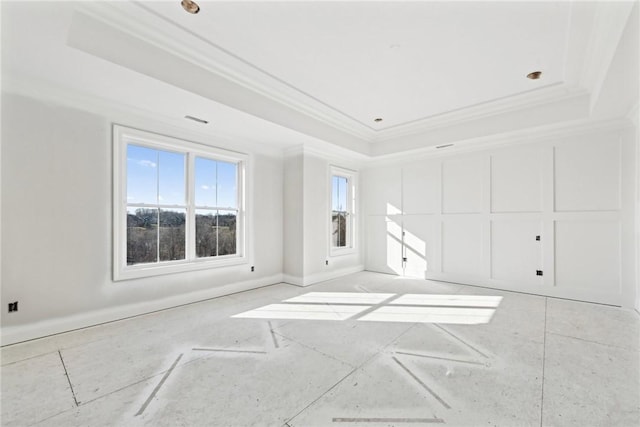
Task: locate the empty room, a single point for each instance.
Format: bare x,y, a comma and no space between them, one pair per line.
320,213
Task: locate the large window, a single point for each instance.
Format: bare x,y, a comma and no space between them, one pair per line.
342,210
179,205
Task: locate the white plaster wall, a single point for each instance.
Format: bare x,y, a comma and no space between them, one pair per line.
57,225
316,225
293,218
316,215
307,257
619,92
637,213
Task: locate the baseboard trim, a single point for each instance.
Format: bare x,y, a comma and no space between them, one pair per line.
16,334
292,280
321,277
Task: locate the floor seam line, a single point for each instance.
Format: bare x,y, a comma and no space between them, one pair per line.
350,373
273,335
68,379
157,388
593,342
28,358
437,325
323,394
422,383
314,349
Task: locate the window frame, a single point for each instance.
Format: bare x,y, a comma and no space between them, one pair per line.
352,193
122,137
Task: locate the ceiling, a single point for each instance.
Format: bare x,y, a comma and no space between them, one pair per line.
400,61
308,72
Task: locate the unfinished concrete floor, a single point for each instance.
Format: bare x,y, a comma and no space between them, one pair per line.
366,349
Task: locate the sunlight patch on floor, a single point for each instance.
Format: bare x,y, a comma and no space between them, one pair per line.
382,307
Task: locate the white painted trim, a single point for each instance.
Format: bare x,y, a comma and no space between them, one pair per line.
321,277
122,137
352,193
43,328
149,27
520,136
134,117
292,280
542,96
550,291
609,23
329,152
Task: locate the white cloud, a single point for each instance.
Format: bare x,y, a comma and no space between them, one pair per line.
205,187
147,163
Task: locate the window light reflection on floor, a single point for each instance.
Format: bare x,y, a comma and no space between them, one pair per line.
382,307
341,298
304,311
448,300
455,315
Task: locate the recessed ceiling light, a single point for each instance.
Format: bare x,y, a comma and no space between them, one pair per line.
377,120
195,119
535,75
190,6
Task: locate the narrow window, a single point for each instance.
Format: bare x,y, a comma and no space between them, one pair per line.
342,220
340,213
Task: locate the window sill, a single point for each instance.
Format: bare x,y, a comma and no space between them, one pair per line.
172,267
336,252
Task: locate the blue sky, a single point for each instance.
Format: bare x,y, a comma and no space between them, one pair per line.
159,176
339,193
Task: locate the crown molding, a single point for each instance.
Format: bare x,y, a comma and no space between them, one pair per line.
554,93
609,23
151,28
521,136
114,111
332,154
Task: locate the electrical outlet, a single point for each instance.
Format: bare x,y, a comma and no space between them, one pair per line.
253,269
326,262
13,306
538,272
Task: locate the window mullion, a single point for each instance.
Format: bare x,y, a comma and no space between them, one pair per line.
228,222
191,212
158,206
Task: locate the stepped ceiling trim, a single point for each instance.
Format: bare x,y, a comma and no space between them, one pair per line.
150,27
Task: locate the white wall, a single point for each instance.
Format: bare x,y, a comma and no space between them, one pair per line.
637,212
57,225
307,221
293,210
473,218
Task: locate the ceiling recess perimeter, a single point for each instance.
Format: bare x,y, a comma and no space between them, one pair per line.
403,61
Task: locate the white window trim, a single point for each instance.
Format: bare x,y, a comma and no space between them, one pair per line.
352,228
121,271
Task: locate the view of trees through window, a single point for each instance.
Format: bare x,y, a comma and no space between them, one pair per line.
215,234
157,220
339,214
146,242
